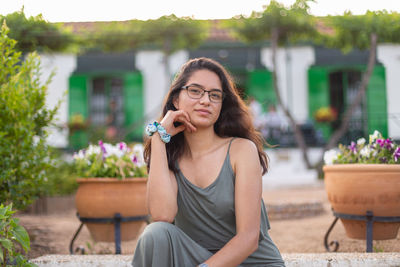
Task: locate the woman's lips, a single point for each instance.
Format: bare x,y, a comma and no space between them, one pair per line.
203,111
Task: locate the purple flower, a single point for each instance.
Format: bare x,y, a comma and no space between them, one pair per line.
388,143
396,154
135,160
380,142
103,149
121,146
383,160
353,147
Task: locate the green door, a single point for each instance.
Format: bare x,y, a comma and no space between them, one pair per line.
318,95
376,102
376,108
134,106
259,85
78,111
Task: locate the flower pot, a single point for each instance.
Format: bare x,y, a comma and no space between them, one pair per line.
104,197
358,188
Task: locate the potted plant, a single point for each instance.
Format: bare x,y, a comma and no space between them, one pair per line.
325,114
365,177
112,180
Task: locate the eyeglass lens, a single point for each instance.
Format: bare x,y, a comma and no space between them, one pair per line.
197,92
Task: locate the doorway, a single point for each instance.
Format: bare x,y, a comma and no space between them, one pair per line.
343,89
106,106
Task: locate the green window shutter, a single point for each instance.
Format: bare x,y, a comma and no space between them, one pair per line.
376,102
259,85
78,96
78,105
318,89
134,106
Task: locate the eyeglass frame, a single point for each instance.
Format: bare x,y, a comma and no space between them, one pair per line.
204,91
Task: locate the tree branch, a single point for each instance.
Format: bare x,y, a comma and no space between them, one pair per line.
297,131
360,95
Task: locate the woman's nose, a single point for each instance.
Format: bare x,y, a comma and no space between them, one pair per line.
205,98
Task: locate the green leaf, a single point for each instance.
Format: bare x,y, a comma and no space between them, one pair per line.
1,255
22,237
6,243
2,210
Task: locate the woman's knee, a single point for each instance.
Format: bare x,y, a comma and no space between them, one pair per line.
158,231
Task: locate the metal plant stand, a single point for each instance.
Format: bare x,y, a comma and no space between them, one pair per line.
369,219
116,220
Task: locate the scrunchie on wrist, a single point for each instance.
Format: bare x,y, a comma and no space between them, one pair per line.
157,127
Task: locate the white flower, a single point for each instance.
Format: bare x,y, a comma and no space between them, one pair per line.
361,141
79,155
138,152
93,150
374,136
113,150
330,156
366,152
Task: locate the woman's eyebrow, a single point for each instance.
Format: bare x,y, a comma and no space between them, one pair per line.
202,87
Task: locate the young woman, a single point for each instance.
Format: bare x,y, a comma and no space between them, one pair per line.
205,185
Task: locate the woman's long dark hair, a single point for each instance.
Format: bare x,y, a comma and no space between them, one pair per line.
234,120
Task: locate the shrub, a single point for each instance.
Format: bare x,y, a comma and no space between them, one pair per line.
25,158
11,233
61,177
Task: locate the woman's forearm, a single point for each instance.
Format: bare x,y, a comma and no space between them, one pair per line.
235,251
161,195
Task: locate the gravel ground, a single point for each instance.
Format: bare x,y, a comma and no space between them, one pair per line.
51,234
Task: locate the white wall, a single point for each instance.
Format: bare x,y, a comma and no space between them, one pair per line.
63,65
292,67
389,55
286,168
155,81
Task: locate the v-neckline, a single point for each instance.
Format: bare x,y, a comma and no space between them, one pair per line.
213,182
219,173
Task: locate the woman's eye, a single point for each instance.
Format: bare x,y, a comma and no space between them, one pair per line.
195,91
216,95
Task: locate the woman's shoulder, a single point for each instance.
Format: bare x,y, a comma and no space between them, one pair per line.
242,147
243,153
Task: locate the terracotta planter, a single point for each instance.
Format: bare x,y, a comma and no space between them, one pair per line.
104,197
357,188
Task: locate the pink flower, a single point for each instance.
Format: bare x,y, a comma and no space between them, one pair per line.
396,154
380,142
122,146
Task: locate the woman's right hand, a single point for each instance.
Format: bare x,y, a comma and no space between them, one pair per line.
177,116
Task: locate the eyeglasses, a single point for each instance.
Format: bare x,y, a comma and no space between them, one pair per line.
197,92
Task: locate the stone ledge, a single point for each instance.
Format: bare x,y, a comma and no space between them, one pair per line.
291,260
286,211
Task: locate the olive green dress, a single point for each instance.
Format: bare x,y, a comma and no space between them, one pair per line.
205,222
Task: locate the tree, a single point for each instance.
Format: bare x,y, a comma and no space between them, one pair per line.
170,34
280,25
112,36
36,34
362,32
24,117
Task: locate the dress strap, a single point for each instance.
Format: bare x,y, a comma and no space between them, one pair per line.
230,143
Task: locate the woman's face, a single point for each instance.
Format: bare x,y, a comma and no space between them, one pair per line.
202,111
